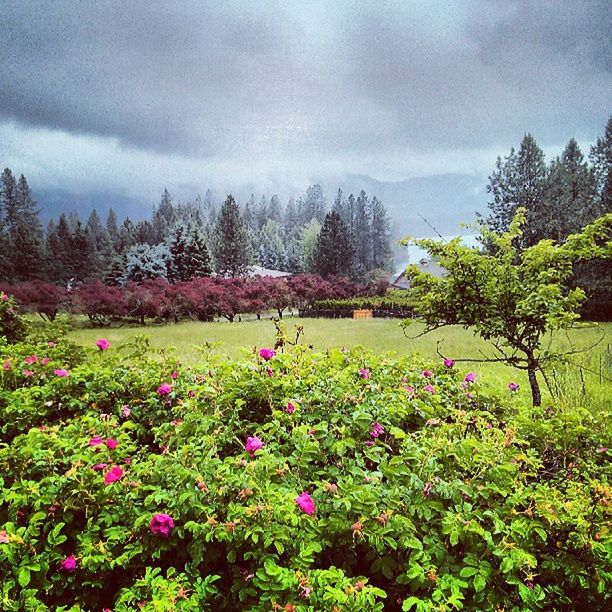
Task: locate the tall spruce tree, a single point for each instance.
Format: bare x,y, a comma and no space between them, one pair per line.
27,238
231,244
362,227
189,254
272,253
334,252
164,219
380,236
520,180
601,162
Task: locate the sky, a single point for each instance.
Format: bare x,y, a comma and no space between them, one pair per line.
135,96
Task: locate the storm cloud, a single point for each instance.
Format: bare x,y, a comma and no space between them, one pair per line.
292,89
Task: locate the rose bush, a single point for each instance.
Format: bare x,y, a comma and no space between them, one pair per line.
376,492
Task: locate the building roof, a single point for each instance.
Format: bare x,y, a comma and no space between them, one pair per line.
400,281
266,272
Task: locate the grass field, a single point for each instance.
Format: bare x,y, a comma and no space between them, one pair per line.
188,339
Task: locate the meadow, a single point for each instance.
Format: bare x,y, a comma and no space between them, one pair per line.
189,341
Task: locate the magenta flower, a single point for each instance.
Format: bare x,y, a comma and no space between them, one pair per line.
98,467
44,360
31,359
369,442
269,372
376,430
161,524
470,377
513,387
364,373
267,353
409,389
429,389
602,449
427,373
113,475
51,344
305,503
469,395
290,409
125,411
449,363
103,344
111,443
61,372
174,375
253,444
95,441
27,373
164,389
68,565
7,365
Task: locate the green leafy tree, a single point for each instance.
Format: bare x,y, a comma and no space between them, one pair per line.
231,244
513,297
334,251
309,237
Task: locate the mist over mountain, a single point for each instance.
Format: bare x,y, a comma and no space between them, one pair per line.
445,200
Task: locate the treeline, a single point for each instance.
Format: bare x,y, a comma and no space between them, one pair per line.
189,240
202,299
560,199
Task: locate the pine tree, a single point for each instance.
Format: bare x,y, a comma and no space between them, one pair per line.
111,225
164,218
231,246
59,251
380,235
272,253
334,252
362,244
125,237
520,180
275,212
601,162
27,239
189,255
100,252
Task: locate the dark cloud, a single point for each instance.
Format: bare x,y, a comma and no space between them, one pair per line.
301,80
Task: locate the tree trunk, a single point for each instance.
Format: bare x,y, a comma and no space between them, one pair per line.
536,396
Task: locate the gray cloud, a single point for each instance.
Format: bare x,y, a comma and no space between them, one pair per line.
292,84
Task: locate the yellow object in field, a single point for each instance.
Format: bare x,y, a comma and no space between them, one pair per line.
362,314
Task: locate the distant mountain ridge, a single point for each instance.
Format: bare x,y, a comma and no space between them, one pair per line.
445,200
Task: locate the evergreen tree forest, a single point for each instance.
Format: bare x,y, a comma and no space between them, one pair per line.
185,240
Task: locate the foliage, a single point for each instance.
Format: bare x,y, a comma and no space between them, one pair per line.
12,324
334,251
231,246
512,297
428,491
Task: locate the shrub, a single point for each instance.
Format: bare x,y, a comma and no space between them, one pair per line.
429,491
12,325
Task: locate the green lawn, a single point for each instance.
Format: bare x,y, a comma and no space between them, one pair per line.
189,338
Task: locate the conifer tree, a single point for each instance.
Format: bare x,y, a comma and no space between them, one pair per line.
189,255
380,235
334,252
601,162
272,253
231,245
362,244
27,238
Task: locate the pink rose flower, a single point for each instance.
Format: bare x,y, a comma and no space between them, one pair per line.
409,389
44,360
27,373
111,443
305,503
113,475
61,372
31,359
290,408
51,344
470,377
376,430
253,444
267,353
364,374
369,442
95,441
429,389
427,373
174,375
164,389
125,411
98,467
68,565
161,524
512,386
7,365
4,539
449,363
103,344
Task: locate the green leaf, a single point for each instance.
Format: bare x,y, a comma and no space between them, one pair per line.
24,577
